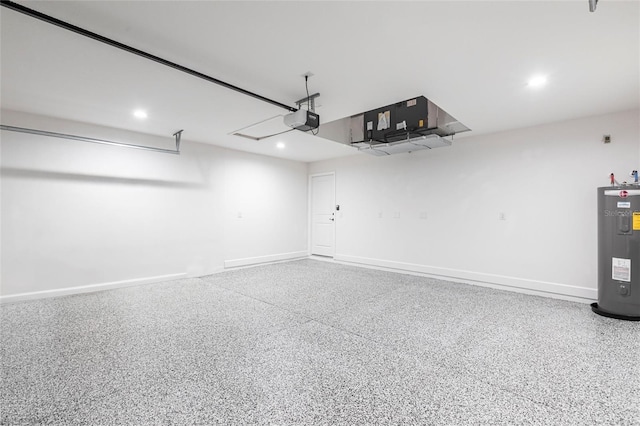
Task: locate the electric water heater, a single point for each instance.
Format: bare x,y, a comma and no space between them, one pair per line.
619,252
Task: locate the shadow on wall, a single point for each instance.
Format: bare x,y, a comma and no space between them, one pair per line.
79,177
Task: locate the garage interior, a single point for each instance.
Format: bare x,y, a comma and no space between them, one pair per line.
174,251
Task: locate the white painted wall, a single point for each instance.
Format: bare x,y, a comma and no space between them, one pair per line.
437,211
76,215
264,220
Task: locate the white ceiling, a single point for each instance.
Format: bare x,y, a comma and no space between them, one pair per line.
471,58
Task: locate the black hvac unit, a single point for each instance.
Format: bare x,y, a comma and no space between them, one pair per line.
401,121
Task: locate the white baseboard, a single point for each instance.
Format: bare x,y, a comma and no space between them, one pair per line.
87,288
540,288
234,263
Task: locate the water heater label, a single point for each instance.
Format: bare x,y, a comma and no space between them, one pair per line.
619,193
624,204
636,221
621,269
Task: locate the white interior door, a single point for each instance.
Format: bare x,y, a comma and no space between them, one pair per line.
323,200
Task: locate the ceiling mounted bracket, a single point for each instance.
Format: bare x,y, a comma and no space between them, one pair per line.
178,136
309,101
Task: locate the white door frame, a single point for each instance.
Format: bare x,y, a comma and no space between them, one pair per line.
309,206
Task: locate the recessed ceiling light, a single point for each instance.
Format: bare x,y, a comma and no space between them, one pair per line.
538,81
280,145
139,113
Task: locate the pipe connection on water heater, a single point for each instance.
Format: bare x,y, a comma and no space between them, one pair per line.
613,182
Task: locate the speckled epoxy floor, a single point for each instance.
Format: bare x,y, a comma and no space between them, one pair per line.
310,342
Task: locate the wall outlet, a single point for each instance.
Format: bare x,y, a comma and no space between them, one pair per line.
423,215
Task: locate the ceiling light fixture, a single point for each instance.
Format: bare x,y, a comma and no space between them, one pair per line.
141,114
280,145
537,81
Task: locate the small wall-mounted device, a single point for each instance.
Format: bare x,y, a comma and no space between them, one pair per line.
606,138
303,120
